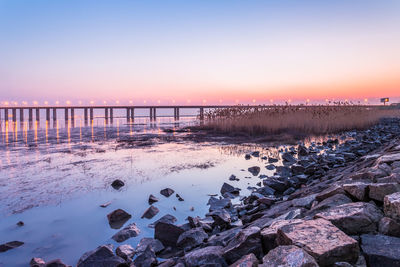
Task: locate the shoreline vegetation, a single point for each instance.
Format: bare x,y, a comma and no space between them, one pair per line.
295,121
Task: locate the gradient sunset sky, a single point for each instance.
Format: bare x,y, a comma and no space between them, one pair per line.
210,50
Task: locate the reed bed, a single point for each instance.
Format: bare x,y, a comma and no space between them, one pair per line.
299,120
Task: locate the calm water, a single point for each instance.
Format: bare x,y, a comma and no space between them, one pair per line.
54,177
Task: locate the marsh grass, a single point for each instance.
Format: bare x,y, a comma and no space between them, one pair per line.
299,120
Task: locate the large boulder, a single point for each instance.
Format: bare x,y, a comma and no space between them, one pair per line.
378,191
288,256
353,218
223,238
388,226
328,203
227,188
391,206
221,217
321,239
245,242
146,259
329,192
125,251
100,257
216,204
127,232
357,190
269,234
118,218
208,256
381,250
155,244
168,218
249,260
167,233
192,238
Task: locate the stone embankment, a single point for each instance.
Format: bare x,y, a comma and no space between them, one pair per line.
334,204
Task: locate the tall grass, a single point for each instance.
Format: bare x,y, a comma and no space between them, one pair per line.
295,119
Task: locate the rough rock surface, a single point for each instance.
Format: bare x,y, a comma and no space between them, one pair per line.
381,250
392,206
321,239
208,256
101,256
378,191
167,192
353,218
167,233
288,256
10,245
150,212
127,232
125,251
118,218
192,238
388,226
155,244
249,260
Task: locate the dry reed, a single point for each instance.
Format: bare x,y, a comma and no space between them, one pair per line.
295,120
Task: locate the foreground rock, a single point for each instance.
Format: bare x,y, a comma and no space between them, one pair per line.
129,231
167,233
37,262
117,184
118,218
288,256
381,250
101,256
249,260
152,199
56,263
192,238
388,226
167,192
125,251
353,218
321,239
168,218
10,245
145,242
392,206
146,259
208,256
150,212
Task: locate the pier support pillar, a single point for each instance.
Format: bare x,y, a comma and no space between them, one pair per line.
66,114
21,114
154,114
14,114
30,115
106,114
132,114
177,114
47,114
6,114
54,114
151,114
128,114
91,115
37,114
111,115
85,115
201,114
72,114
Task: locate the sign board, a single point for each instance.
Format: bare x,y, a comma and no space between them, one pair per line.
384,100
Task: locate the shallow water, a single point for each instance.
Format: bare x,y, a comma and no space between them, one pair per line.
54,179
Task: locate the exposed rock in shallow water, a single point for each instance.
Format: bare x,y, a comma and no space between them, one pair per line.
118,218
208,256
155,244
381,250
321,239
167,192
152,199
353,218
245,242
37,262
146,259
117,184
167,233
56,263
255,170
168,218
10,245
125,251
227,188
150,212
216,204
288,256
127,232
101,256
192,238
221,217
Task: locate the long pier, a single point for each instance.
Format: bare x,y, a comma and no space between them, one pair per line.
88,111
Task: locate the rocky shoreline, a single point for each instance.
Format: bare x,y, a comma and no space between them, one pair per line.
330,204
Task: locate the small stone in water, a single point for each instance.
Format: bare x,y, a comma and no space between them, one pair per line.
191,208
152,199
167,192
117,184
20,223
10,245
179,197
150,212
105,205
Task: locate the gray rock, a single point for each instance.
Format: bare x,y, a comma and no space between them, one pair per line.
381,250
329,192
288,158
167,233
10,245
357,190
56,263
150,212
146,259
249,260
288,256
37,262
329,202
378,191
192,238
245,242
118,218
117,184
304,202
269,234
101,256
125,251
221,217
321,239
216,204
152,199
270,167
391,206
155,244
227,188
167,192
353,218
208,256
223,238
388,226
127,232
168,218
255,170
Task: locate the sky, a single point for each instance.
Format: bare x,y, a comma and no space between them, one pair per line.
204,51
